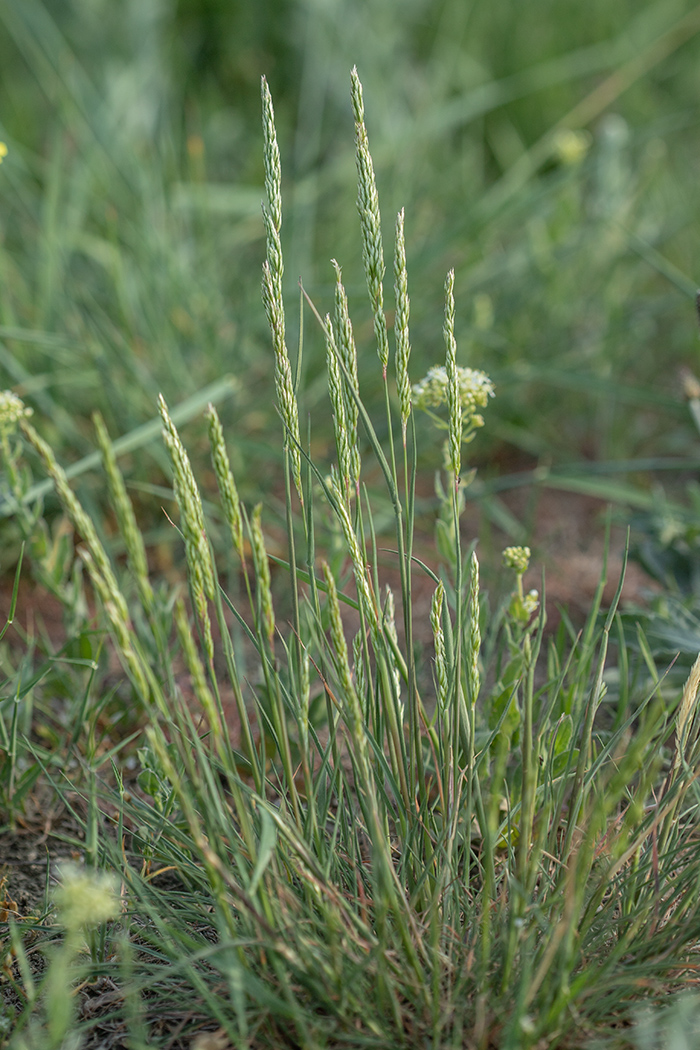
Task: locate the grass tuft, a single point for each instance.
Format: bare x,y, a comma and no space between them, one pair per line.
494,847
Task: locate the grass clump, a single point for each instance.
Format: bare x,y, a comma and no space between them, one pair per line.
330,842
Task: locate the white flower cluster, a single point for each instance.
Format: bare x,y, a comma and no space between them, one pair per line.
85,898
517,558
12,409
475,389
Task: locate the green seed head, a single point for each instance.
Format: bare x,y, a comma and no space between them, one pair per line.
345,342
262,572
370,222
338,404
273,167
403,345
442,680
228,490
273,272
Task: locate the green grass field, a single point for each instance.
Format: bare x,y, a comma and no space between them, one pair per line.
291,755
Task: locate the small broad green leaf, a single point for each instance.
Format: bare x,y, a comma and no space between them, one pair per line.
268,841
560,762
562,738
149,782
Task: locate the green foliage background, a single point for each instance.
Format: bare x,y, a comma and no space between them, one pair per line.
131,203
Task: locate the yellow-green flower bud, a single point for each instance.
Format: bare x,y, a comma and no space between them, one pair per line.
570,147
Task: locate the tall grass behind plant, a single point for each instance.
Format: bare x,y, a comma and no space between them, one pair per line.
494,861
546,159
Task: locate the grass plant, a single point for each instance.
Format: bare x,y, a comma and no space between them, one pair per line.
326,841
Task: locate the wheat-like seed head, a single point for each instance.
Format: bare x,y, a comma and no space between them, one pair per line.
100,566
273,272
442,680
262,572
685,738
370,222
114,606
271,155
338,403
284,383
189,501
403,345
225,480
345,343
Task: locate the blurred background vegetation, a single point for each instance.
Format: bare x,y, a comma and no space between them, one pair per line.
550,156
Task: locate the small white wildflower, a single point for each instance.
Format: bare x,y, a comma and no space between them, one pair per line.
475,389
517,558
531,602
85,898
12,408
